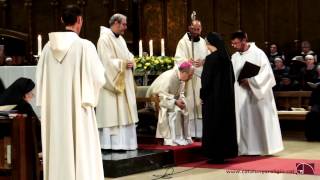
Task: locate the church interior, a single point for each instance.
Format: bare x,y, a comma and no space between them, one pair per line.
286,30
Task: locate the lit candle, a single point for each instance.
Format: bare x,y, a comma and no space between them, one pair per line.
162,47
151,47
140,48
39,44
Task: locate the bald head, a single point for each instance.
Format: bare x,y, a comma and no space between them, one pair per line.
196,23
195,28
186,71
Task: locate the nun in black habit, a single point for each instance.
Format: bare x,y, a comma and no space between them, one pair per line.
1,87
19,93
219,139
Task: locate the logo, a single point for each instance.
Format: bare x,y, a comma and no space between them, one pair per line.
305,168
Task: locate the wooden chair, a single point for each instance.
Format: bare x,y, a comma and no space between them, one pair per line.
154,100
286,100
36,157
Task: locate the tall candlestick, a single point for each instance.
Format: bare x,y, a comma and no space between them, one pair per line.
162,47
39,44
151,47
140,48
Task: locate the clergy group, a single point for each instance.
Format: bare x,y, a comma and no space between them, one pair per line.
88,102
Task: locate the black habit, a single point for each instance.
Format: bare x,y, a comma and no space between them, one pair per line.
219,140
15,93
1,87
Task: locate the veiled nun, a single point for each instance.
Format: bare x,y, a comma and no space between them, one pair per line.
219,139
19,93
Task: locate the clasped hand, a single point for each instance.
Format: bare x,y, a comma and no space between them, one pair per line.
180,103
245,83
129,65
197,63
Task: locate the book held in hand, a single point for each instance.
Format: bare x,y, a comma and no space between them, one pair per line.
5,110
249,70
298,58
7,107
313,85
297,61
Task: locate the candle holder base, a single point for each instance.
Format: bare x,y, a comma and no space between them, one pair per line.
36,58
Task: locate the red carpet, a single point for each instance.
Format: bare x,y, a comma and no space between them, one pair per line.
260,164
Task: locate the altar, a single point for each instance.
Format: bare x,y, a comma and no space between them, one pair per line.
9,74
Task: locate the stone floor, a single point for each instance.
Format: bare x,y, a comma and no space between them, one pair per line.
295,147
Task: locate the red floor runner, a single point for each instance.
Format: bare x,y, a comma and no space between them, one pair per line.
264,164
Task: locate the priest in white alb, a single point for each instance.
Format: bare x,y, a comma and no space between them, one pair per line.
69,76
258,128
173,121
193,47
117,109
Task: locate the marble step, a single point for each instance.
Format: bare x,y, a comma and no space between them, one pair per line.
123,163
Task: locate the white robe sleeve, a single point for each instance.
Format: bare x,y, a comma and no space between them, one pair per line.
184,52
39,76
92,75
113,65
161,88
181,52
264,81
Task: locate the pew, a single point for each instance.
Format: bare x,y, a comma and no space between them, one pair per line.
24,160
143,101
288,101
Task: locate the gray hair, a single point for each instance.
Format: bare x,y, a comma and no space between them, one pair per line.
116,17
309,56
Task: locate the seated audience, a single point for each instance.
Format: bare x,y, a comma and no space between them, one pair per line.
280,69
297,63
312,130
309,73
287,84
306,50
273,53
